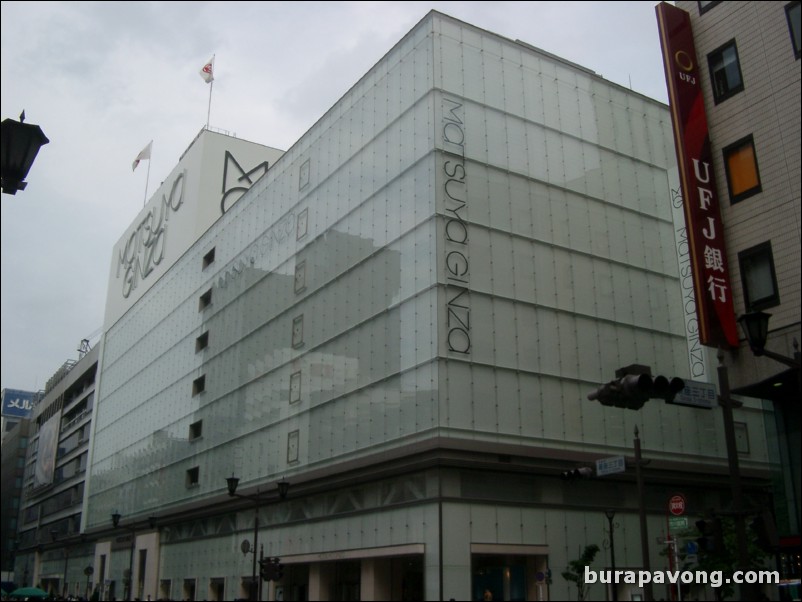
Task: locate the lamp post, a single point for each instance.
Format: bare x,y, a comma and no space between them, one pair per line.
283,487
20,145
610,514
648,593
115,520
756,328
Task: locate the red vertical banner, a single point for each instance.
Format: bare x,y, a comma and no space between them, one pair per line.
708,252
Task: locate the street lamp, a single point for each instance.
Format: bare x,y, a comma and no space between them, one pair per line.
756,328
283,487
20,145
115,520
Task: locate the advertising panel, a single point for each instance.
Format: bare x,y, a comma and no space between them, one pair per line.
708,252
17,404
46,454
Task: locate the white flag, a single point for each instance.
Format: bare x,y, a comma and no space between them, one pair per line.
207,73
143,155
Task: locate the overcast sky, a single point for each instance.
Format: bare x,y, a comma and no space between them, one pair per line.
103,79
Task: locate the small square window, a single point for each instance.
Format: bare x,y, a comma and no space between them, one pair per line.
300,277
792,14
740,163
198,385
301,224
205,300
303,175
202,342
758,278
196,430
725,72
293,443
208,259
295,387
193,477
298,331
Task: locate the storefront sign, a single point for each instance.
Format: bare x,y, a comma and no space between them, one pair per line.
708,252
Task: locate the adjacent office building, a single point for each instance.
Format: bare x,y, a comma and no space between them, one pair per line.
747,57
50,550
401,317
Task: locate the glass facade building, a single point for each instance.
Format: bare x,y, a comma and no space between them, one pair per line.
402,318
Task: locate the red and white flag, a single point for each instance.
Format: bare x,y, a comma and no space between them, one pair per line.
207,73
143,155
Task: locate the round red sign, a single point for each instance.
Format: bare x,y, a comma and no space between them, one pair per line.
676,505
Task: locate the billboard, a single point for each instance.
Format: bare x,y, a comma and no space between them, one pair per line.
17,404
46,452
705,230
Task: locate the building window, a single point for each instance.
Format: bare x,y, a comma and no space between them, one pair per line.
295,387
202,342
303,175
196,430
706,6
792,14
293,443
205,300
725,72
298,331
740,163
208,259
758,278
193,477
300,277
198,385
302,224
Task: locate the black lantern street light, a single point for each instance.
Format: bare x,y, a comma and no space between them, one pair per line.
756,328
283,487
115,520
20,143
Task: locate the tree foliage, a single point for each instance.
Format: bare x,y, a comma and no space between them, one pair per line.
576,570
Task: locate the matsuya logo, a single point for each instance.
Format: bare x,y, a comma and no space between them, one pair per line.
144,249
237,181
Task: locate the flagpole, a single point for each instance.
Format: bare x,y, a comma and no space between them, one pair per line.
147,179
211,87
209,111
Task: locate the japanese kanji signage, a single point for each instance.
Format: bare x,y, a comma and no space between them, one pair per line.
708,252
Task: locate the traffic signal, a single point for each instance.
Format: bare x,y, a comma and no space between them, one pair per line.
631,391
271,569
278,570
265,569
584,472
711,537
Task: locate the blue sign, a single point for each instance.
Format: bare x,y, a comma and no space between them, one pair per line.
610,465
697,394
17,404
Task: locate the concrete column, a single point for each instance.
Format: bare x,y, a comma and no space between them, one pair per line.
376,579
319,581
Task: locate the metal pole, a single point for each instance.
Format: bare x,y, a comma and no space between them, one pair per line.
254,589
131,566
648,594
610,516
747,592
